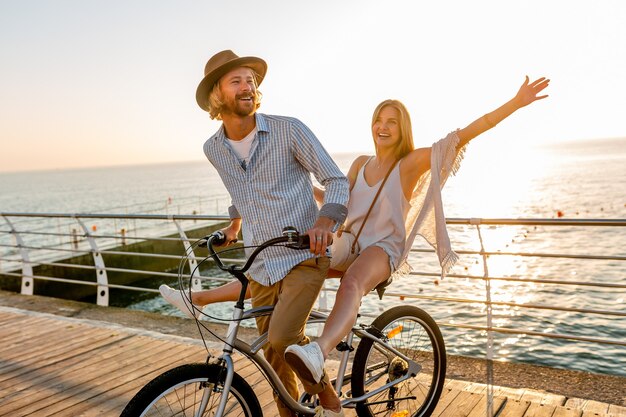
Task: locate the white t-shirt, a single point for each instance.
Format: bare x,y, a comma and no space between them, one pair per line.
242,147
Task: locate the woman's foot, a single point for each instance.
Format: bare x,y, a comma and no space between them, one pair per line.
180,301
306,361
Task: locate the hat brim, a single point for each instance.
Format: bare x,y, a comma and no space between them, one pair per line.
204,88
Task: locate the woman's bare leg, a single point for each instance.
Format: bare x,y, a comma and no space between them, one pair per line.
230,292
369,269
226,292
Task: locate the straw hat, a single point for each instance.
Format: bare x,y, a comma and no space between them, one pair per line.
220,64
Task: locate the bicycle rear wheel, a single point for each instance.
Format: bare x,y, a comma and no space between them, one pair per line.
179,392
413,332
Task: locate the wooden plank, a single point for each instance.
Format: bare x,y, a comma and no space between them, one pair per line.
61,351
117,394
455,384
80,389
514,408
64,382
617,410
448,395
511,393
481,407
44,345
560,411
543,397
596,407
462,405
539,410
18,336
102,404
52,366
11,320
575,403
60,368
589,407
87,355
593,414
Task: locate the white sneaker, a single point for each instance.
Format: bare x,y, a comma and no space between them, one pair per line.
307,361
180,301
322,412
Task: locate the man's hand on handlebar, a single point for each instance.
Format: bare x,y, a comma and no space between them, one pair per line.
231,232
321,235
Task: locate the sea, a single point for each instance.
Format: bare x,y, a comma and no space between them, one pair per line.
568,180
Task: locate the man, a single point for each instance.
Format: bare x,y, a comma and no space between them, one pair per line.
265,163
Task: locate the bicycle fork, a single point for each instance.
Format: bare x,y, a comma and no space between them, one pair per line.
228,367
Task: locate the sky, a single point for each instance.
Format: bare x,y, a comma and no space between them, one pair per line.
102,83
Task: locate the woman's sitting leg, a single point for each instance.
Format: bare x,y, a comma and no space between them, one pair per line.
369,269
226,292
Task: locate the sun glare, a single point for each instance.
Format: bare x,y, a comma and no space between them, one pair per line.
493,183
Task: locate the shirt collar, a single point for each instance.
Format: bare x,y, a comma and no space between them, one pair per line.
261,126
261,123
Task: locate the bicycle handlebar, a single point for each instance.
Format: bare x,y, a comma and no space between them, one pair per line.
290,236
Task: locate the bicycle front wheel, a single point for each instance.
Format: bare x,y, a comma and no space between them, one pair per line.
183,390
411,331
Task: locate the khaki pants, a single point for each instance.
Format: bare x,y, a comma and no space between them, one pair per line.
293,298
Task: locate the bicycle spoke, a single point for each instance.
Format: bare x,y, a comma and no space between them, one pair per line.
411,332
185,391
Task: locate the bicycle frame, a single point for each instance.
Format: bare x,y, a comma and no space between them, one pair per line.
253,351
378,360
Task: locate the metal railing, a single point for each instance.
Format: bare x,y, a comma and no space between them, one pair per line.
37,246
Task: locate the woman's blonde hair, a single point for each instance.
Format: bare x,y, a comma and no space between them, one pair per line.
405,145
216,104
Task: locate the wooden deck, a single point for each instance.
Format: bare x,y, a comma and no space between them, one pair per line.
58,366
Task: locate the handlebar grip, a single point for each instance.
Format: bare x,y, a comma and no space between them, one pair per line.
303,242
218,238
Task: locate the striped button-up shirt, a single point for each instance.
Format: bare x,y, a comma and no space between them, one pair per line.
275,189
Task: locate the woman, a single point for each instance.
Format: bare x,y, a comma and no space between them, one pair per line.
409,204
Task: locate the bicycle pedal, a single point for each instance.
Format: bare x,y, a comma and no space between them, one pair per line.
343,346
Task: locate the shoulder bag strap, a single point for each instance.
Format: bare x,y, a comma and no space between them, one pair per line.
356,238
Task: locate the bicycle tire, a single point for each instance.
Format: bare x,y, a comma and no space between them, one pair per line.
420,339
179,391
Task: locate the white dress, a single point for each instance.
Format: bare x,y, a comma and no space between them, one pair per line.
395,222
385,226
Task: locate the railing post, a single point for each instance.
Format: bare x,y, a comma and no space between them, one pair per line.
27,266
489,408
102,298
193,264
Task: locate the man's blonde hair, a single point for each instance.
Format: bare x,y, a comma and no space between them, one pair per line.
405,145
216,104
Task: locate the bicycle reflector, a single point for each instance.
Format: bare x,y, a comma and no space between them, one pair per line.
403,413
394,332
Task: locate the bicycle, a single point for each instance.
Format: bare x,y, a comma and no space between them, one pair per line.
398,368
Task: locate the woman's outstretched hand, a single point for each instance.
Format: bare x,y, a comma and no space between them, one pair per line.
528,91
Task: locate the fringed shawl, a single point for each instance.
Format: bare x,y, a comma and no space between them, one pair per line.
426,217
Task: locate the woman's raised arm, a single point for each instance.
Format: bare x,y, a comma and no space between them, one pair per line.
528,93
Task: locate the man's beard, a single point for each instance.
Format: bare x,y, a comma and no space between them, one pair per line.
240,108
